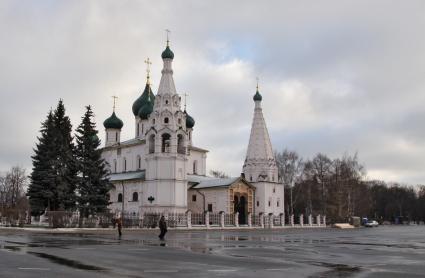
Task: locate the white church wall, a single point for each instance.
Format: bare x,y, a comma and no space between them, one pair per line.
200,158
218,198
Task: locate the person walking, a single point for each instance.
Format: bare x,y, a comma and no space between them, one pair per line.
162,227
119,224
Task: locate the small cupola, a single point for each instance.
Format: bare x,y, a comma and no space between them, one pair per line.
113,122
190,122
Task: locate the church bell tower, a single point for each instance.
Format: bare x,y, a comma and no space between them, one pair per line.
166,146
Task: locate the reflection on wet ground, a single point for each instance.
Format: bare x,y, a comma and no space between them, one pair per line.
306,253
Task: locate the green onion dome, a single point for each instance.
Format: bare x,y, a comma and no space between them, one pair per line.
257,96
143,99
167,53
146,109
113,122
190,122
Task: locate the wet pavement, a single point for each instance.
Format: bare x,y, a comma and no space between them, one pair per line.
393,251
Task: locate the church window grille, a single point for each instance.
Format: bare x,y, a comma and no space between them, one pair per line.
135,197
193,198
195,167
139,162
180,144
119,198
166,120
166,143
152,144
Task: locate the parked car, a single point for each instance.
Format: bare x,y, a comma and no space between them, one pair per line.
371,224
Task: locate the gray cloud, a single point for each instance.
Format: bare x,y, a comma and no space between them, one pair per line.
336,76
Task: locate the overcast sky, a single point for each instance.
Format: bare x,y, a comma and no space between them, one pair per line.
336,76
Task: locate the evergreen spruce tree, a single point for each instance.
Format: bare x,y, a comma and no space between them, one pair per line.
64,162
41,188
93,185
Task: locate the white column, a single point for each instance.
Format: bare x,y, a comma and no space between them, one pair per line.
207,219
318,220
261,220
222,219
302,220
310,220
292,220
282,219
249,219
271,217
236,219
189,219
324,220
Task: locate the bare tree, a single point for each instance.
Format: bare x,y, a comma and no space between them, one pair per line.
12,187
290,167
218,174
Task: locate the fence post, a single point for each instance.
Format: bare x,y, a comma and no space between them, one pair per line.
302,220
249,219
282,219
310,220
324,220
236,219
292,220
318,220
207,219
261,220
189,219
222,219
271,220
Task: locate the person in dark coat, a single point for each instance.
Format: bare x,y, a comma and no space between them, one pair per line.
119,224
162,228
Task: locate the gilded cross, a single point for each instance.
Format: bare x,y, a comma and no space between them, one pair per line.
185,95
168,34
148,67
115,98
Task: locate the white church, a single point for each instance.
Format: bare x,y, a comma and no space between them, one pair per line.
160,170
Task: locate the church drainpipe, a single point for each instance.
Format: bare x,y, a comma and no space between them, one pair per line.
123,198
203,197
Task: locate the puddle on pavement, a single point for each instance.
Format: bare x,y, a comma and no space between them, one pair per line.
336,270
67,262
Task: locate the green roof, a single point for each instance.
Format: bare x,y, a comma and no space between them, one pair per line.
167,53
190,122
143,99
113,122
146,109
257,96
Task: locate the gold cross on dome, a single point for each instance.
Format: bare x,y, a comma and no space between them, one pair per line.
168,34
185,95
115,98
148,68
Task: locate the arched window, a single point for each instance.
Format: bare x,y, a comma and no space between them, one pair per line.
120,198
107,136
139,162
166,120
179,121
153,121
180,144
115,165
195,167
116,136
166,102
143,127
278,202
124,164
166,143
152,143
135,197
138,129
